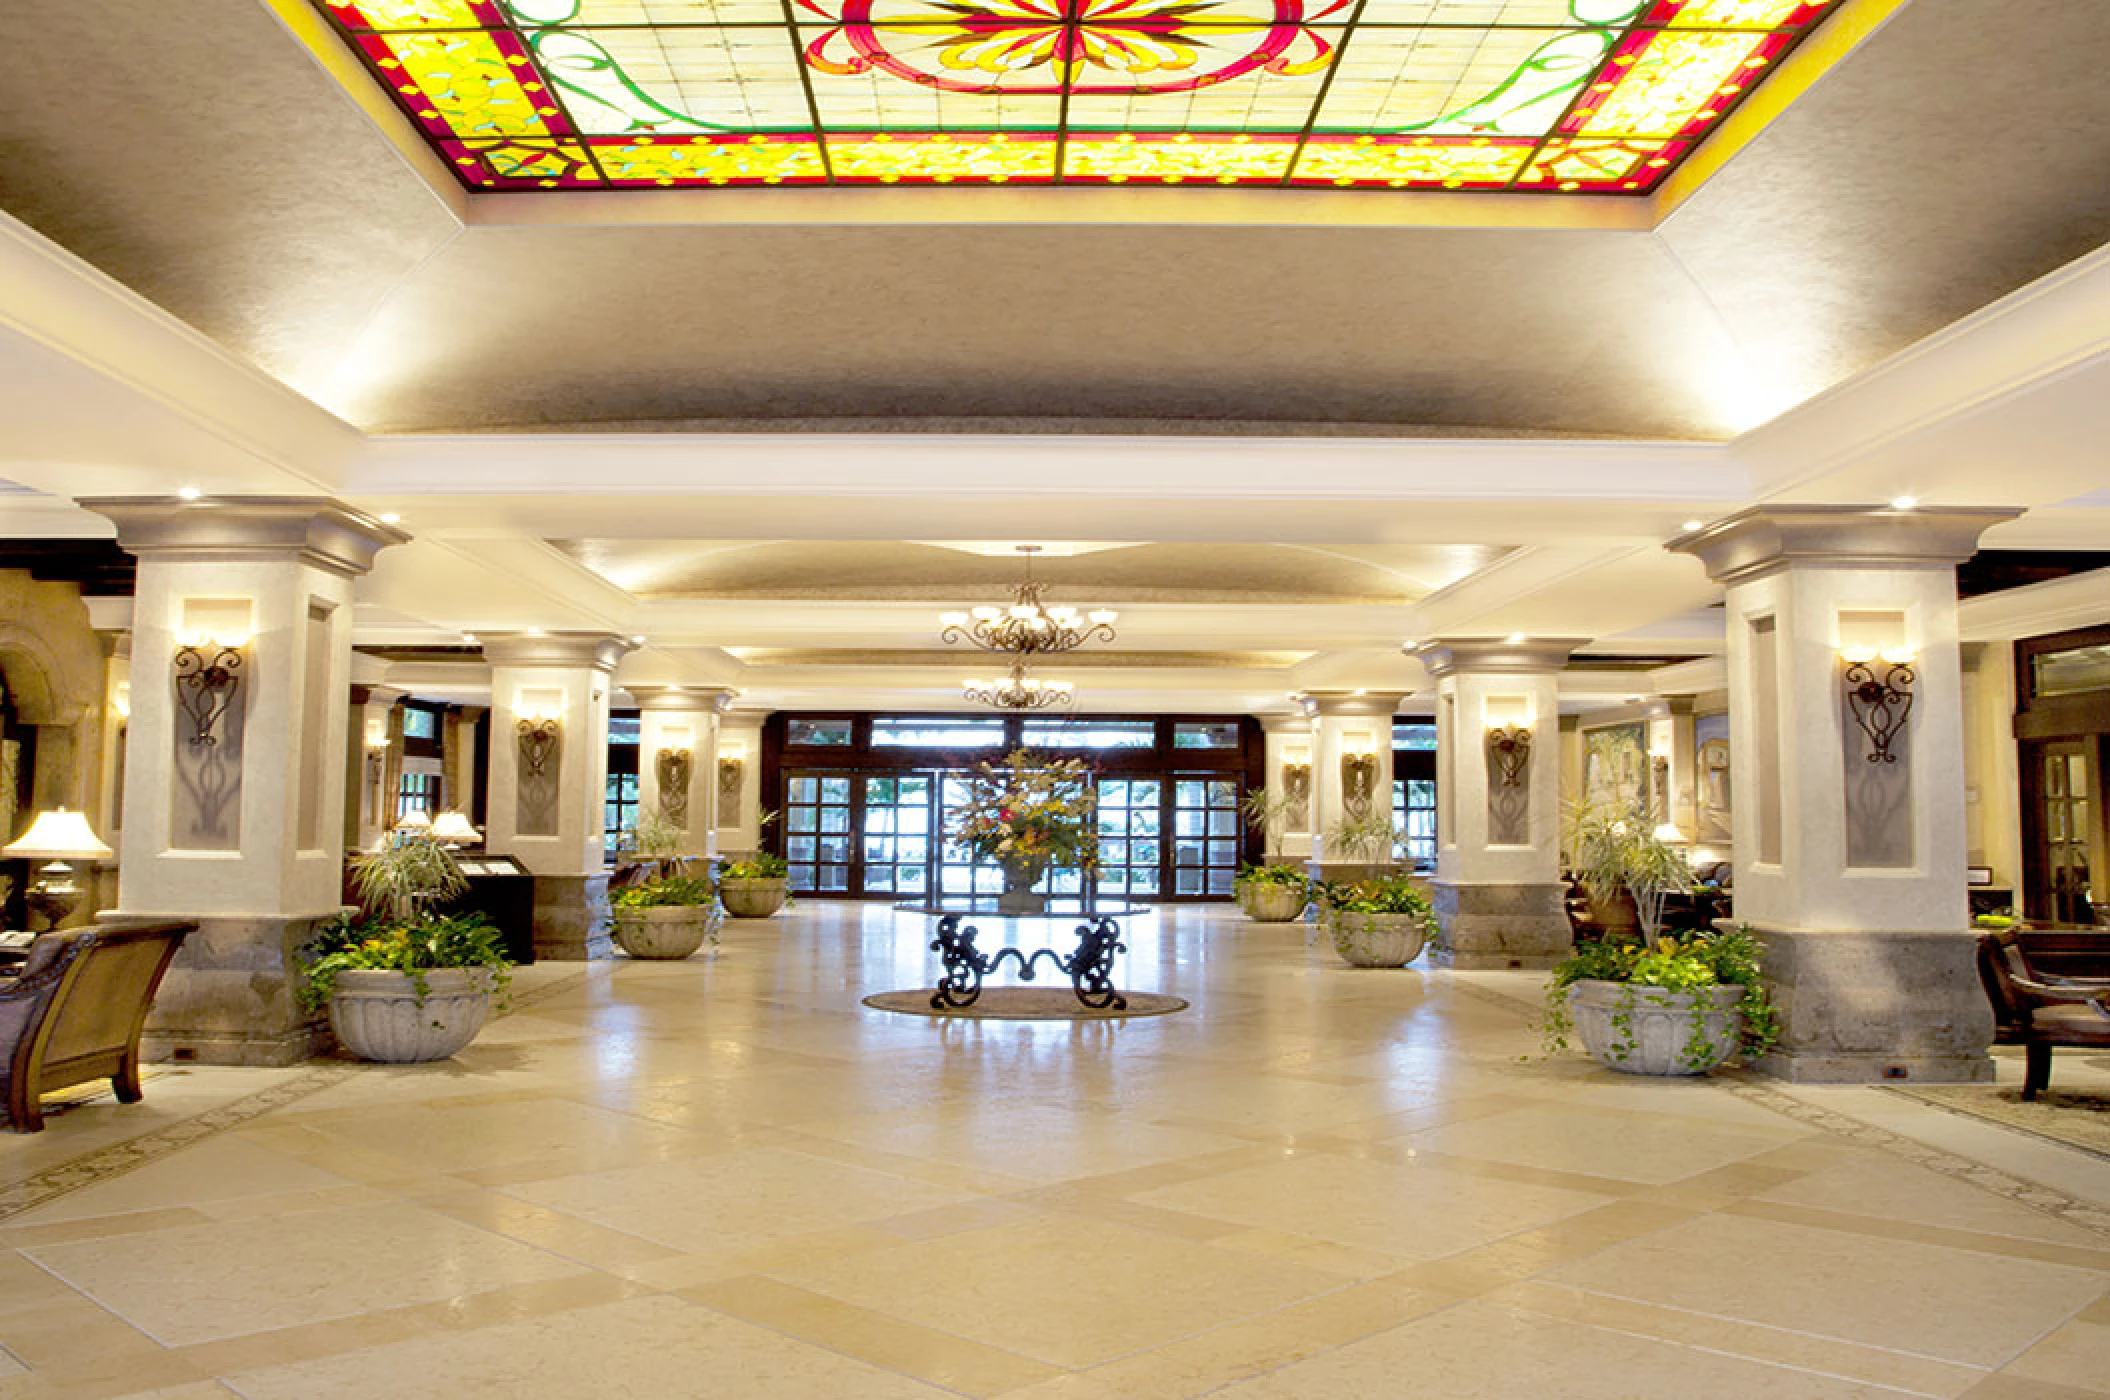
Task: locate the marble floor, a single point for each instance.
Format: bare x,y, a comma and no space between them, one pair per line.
727,1178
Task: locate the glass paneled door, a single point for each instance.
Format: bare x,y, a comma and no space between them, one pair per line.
817,825
2063,828
1205,835
1131,848
899,822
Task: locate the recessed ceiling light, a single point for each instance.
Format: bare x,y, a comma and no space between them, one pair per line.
188,493
469,638
638,639
1515,639
1691,525
1904,502
389,517
535,632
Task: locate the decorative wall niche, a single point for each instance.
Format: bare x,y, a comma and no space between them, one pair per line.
210,673
539,736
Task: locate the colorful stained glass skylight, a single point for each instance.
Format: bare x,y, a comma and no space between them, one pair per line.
1530,96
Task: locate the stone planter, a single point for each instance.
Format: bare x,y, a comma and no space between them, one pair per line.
1273,904
378,1016
665,931
1018,897
1651,1030
1376,940
755,898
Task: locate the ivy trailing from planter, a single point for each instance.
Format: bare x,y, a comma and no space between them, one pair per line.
1652,974
384,944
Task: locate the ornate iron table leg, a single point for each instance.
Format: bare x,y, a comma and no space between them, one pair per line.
962,983
1091,967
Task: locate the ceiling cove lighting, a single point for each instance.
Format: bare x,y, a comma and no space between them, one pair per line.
1028,627
1540,97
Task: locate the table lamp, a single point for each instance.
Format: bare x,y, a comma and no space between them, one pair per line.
56,836
453,829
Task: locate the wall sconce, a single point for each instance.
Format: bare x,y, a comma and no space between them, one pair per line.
730,768
1296,783
1879,695
1358,781
538,742
674,767
1509,750
207,680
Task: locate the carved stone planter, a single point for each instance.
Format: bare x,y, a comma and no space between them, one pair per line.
754,898
1376,940
1273,904
668,931
1652,1030
378,1015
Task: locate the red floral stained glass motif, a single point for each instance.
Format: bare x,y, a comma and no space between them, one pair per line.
1539,97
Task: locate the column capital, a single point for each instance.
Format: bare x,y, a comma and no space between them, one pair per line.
1766,539
689,699
598,651
378,694
1286,722
1515,656
315,530
1330,703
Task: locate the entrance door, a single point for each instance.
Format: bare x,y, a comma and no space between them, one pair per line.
2060,819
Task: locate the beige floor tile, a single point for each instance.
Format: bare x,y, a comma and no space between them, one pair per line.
1648,1147
1477,1351
1063,1295
1410,1211
986,1135
548,1134
661,1348
2076,1355
1945,1303
217,1169
734,1200
1894,1190
224,1280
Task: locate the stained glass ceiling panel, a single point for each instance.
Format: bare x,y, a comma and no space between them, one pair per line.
1524,96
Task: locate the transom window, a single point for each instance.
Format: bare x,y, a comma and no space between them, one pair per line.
1534,96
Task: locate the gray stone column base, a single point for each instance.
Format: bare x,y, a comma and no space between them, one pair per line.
571,918
1501,926
1864,1008
228,997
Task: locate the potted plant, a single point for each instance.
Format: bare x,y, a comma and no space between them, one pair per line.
1384,921
1272,894
755,888
1361,845
1027,814
401,982
1675,1006
663,904
1625,868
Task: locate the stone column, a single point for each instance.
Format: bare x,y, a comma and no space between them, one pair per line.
379,740
678,758
1498,886
549,778
458,761
234,797
1289,774
1850,852
1351,776
737,792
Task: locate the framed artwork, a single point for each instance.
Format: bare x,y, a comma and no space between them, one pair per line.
1615,765
1710,735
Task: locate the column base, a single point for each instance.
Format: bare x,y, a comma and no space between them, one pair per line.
1875,1007
228,998
571,918
1501,926
1349,871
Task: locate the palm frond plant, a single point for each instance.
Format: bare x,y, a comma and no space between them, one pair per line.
1367,839
1613,849
663,903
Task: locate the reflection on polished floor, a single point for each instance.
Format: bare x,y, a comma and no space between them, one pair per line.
728,1178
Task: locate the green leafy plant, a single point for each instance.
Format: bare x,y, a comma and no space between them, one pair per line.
1031,809
762,865
1387,894
1614,850
1285,876
414,947
672,892
1264,808
1683,964
1369,839
407,878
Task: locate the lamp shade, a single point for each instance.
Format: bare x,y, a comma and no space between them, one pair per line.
415,819
58,835
452,828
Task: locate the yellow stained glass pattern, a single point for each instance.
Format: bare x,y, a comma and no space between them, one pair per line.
409,14
1185,157
1575,164
521,160
940,158
1416,161
467,81
705,162
1736,14
1675,79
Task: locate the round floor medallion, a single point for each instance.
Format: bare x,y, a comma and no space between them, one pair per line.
1025,1004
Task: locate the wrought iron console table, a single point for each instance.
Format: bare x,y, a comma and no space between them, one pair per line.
1089,966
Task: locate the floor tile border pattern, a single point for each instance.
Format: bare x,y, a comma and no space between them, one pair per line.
115,1160
2033,1195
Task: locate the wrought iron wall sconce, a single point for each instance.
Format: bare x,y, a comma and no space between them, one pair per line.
729,770
1296,783
1358,782
538,744
1659,786
1879,696
208,677
674,767
1509,750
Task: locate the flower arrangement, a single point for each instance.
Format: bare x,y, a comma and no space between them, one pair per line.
1030,810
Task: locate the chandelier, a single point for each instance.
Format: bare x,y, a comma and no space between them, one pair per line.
1028,627
1019,692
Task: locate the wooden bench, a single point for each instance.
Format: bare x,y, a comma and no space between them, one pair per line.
74,1011
2048,990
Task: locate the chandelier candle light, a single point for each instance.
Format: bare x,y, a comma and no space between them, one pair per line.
1019,692
1029,627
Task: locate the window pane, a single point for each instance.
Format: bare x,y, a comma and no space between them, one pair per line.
817,733
420,724
625,729
2070,672
1215,735
1414,736
937,733
1089,734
